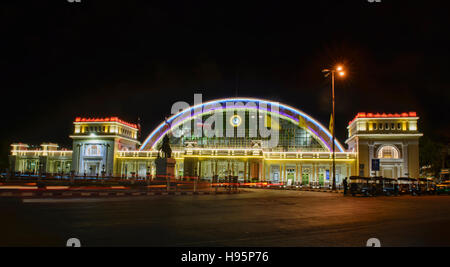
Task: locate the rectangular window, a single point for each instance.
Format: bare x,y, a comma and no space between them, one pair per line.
93,150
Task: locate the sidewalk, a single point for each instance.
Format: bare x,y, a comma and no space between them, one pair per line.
339,191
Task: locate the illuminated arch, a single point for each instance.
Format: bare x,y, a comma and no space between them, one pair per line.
388,152
284,111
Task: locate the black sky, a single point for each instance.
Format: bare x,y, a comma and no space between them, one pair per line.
135,59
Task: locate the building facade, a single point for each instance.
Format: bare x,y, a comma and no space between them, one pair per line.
47,158
392,139
253,139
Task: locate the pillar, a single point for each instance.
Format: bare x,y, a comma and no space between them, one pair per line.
301,174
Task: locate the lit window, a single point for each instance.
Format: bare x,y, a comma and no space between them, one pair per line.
93,150
388,152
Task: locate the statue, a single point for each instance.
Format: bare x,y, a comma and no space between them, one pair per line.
165,147
165,164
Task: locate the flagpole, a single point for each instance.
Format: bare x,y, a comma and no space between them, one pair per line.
333,187
327,72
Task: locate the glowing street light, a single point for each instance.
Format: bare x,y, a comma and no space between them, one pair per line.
340,70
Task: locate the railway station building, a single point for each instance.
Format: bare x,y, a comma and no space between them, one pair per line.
253,139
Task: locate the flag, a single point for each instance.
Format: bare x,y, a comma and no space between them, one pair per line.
331,123
139,127
301,122
167,122
268,121
272,124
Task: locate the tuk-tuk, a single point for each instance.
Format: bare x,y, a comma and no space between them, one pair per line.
407,185
390,186
359,185
426,186
443,188
376,186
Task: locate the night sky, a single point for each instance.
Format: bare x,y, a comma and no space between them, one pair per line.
60,60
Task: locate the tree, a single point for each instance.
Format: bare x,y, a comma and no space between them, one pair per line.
430,154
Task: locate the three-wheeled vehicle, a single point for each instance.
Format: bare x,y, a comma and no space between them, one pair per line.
407,185
390,186
376,186
425,186
443,188
359,185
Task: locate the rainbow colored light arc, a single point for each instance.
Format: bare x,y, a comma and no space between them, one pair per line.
225,100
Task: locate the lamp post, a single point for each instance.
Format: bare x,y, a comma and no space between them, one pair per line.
340,71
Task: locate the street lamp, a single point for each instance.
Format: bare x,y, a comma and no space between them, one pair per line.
340,70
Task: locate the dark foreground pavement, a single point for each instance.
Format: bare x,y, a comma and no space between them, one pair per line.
257,218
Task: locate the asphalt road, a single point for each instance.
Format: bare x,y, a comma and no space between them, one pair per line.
257,218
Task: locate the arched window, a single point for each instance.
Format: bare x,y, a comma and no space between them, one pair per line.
388,152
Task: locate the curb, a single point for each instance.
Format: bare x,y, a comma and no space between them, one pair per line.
306,189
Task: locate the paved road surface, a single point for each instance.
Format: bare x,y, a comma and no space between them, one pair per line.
257,218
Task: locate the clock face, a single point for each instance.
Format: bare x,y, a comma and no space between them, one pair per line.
235,120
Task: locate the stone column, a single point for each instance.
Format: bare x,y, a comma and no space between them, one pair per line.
370,158
265,170
301,173
245,171
404,155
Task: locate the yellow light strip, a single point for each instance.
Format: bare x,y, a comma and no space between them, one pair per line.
327,160
246,157
121,157
224,156
43,151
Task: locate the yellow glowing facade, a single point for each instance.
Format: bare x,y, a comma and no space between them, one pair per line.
302,156
393,139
